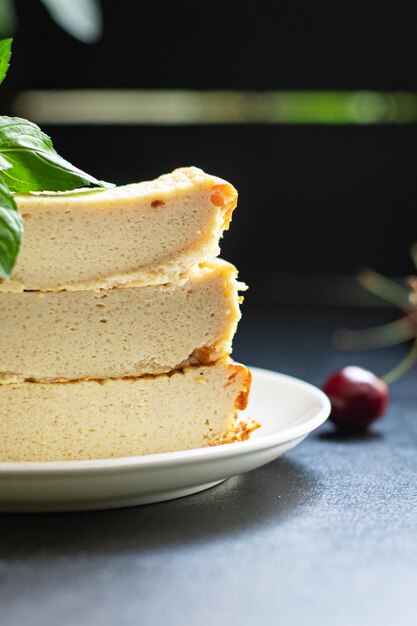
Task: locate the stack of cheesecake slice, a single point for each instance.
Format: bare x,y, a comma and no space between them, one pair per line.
117,323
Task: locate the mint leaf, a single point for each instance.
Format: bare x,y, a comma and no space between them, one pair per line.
11,230
5,54
4,164
81,19
35,165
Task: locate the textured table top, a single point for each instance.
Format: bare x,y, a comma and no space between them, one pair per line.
326,535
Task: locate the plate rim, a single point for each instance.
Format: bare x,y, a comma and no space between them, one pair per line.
187,457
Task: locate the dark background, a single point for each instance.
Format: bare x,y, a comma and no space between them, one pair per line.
316,201
327,534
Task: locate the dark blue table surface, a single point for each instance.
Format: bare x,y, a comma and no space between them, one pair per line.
326,535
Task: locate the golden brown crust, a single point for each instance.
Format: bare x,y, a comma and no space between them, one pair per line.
241,432
243,397
225,195
204,355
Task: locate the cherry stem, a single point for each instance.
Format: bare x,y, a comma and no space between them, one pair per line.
403,366
414,254
389,334
385,288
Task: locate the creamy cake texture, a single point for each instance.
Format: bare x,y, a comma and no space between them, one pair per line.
191,408
151,233
118,321
119,332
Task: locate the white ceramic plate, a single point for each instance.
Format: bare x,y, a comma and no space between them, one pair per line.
288,408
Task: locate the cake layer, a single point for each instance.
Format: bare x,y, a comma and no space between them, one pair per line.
124,331
151,232
191,408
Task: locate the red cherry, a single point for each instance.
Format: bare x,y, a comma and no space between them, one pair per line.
358,398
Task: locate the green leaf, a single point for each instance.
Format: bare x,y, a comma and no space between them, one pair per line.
8,18
81,19
11,230
5,54
35,165
4,164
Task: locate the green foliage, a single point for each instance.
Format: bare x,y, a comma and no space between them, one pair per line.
11,230
35,165
81,19
5,54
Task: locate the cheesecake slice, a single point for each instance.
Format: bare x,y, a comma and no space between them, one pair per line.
119,332
190,408
151,233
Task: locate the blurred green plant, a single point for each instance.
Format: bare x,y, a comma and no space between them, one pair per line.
393,333
82,19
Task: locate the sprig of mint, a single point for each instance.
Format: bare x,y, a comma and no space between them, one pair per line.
11,229
35,165
5,54
28,162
